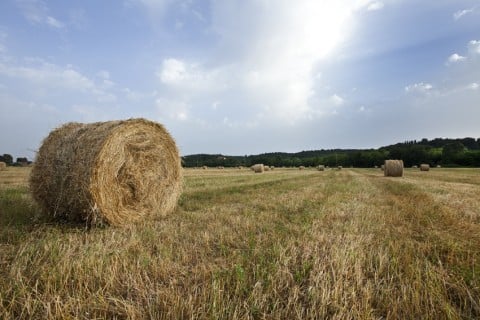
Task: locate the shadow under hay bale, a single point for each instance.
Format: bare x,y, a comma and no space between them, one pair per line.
393,168
115,172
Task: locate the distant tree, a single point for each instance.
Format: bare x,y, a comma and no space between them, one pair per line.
8,159
452,152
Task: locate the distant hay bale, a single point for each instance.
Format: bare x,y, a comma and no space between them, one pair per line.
301,168
3,165
258,168
339,168
115,172
220,167
393,168
415,167
424,167
439,166
266,168
321,167
204,167
376,167
272,167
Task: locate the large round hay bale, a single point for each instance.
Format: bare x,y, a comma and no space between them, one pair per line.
3,165
266,168
424,167
321,167
258,168
115,172
393,168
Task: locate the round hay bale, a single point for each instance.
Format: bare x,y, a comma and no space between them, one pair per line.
272,167
321,167
424,167
266,168
3,165
115,172
376,167
258,168
204,167
301,168
414,167
393,168
439,166
339,168
220,167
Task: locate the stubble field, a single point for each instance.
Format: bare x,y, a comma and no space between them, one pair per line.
286,244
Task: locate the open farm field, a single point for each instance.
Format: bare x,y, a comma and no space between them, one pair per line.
285,244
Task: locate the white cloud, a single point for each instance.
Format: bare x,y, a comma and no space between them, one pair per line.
36,12
172,109
474,46
457,15
456,58
419,88
48,75
52,22
377,5
474,86
337,100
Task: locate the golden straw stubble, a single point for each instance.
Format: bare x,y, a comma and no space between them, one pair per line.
114,172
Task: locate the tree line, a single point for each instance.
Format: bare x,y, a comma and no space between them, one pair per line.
463,152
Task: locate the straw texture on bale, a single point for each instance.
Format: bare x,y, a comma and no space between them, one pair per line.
393,168
258,168
114,172
3,165
266,168
424,167
321,168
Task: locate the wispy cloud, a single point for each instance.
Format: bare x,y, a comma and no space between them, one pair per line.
459,14
37,12
419,88
377,5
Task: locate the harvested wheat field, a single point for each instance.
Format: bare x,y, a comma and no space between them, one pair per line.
291,244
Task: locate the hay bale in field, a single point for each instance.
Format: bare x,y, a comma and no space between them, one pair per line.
393,168
439,166
376,167
424,167
258,168
321,167
301,168
339,168
220,167
114,172
272,167
3,165
266,168
204,167
414,167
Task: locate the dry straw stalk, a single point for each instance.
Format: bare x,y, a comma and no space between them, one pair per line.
115,172
393,168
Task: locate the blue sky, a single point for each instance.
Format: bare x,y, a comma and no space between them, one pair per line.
243,76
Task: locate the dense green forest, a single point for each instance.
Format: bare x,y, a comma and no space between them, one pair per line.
445,152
